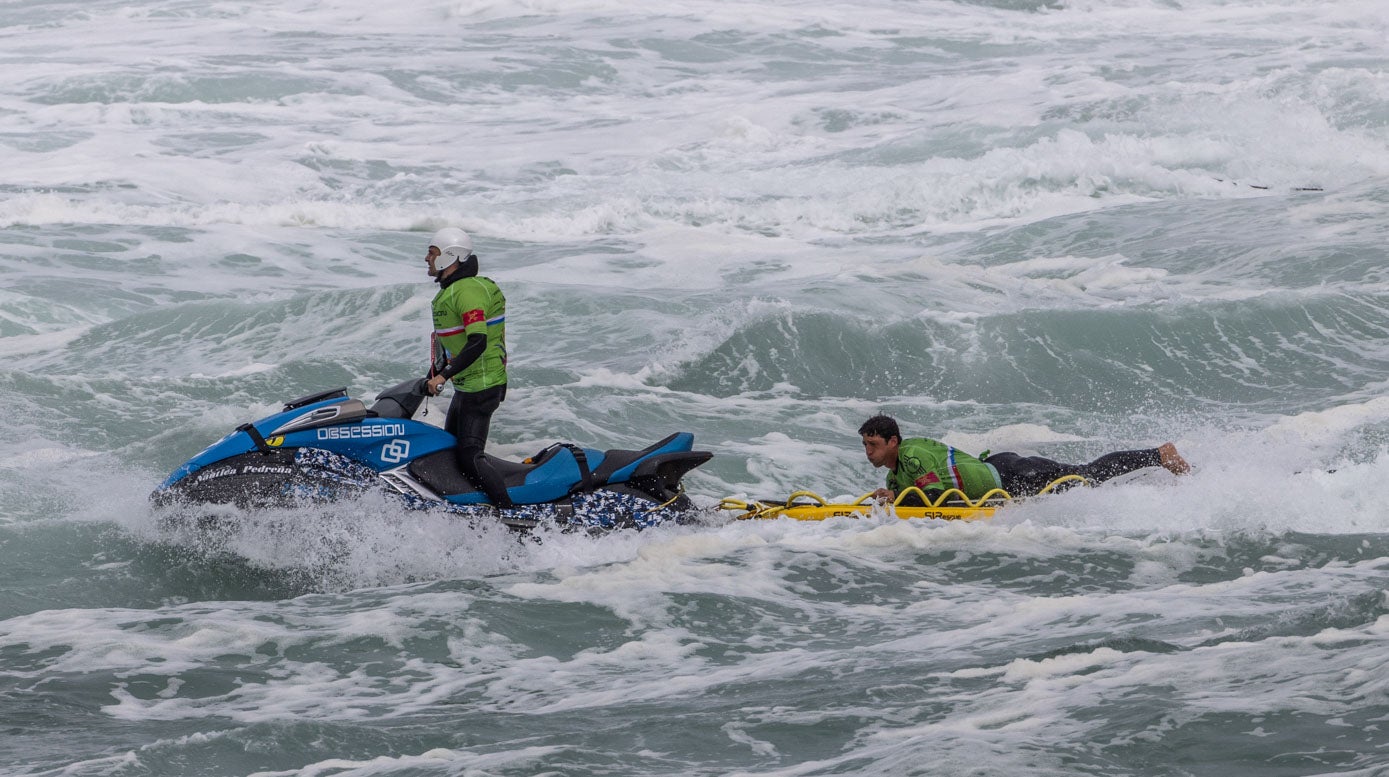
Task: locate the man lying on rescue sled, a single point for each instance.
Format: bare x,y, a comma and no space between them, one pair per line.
934,467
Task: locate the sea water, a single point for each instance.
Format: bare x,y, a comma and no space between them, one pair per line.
1061,227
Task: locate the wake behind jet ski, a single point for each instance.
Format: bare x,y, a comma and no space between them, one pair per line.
328,446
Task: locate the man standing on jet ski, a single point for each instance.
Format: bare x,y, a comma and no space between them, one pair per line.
470,350
934,467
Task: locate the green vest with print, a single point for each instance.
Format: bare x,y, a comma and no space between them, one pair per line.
464,307
933,467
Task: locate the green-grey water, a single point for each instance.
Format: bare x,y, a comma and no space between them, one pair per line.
1057,227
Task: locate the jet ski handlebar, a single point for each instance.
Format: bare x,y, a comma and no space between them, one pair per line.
401,400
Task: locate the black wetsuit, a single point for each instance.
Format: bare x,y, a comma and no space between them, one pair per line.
468,420
1027,475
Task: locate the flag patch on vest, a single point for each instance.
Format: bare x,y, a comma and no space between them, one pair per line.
474,317
929,478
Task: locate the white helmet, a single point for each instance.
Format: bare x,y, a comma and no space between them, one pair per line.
454,244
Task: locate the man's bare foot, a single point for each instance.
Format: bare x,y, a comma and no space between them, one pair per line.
1171,460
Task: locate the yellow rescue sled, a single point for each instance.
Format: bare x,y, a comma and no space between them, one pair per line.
953,505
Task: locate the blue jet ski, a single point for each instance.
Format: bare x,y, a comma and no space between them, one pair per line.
327,446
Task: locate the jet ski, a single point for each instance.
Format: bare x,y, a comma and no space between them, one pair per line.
328,446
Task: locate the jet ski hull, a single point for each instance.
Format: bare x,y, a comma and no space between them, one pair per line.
328,447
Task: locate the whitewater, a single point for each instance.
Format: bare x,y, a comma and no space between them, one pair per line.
1061,227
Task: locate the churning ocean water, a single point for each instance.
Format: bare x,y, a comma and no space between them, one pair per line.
1053,226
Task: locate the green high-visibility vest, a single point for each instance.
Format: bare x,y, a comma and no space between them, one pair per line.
933,467
466,306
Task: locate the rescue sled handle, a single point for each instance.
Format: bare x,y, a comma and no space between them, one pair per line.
809,506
